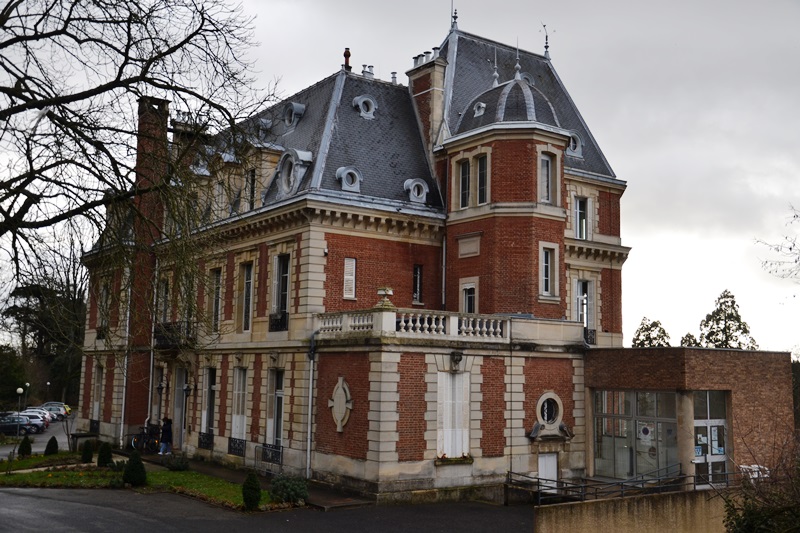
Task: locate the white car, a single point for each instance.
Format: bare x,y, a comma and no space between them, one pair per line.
45,416
36,420
51,417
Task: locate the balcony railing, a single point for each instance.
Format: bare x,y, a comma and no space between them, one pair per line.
172,335
461,327
279,321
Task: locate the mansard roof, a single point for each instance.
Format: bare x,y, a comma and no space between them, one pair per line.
356,122
471,64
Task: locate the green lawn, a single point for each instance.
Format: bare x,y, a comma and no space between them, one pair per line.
201,486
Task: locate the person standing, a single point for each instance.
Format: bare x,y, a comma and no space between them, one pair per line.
166,437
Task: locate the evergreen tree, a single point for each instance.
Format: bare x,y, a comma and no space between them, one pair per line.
650,334
689,341
52,446
134,473
25,447
87,452
251,492
104,456
724,328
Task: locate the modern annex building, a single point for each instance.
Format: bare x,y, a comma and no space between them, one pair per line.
408,288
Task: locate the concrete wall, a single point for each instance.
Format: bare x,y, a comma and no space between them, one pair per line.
690,512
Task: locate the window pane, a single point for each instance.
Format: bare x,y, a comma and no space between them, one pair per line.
666,405
465,184
482,180
701,405
716,404
646,404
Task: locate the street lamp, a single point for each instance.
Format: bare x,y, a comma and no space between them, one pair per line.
47,397
27,386
19,417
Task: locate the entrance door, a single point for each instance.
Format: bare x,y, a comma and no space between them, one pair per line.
548,470
710,437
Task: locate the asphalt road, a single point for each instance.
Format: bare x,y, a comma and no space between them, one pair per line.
84,510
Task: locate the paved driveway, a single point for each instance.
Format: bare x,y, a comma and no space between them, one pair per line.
62,510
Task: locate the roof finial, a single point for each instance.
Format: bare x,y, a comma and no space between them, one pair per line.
495,75
454,24
517,67
546,42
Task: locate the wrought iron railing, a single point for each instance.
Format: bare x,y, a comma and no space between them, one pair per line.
236,447
590,335
205,441
170,335
279,321
268,455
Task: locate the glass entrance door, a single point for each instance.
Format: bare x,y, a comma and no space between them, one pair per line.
710,437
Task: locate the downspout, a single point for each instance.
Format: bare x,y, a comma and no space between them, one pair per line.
311,356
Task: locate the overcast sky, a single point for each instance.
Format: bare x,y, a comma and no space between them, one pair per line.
696,105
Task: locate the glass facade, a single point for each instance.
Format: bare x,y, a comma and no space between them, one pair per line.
635,432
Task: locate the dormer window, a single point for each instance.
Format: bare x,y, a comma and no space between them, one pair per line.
479,108
292,113
366,105
291,169
417,190
575,147
350,178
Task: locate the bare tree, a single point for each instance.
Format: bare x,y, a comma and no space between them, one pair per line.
71,74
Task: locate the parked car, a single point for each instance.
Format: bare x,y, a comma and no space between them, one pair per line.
51,417
66,407
57,410
9,425
36,421
35,416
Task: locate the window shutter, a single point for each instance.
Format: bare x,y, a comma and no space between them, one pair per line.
349,277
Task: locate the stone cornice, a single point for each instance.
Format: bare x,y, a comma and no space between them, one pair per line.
575,249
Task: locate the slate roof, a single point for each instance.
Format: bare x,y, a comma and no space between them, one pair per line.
387,150
471,61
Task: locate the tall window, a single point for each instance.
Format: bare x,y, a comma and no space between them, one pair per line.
211,400
247,295
239,395
583,302
349,287
468,297
250,189
216,298
281,284
581,219
546,178
103,308
548,260
416,283
453,414
163,301
275,409
465,179
482,181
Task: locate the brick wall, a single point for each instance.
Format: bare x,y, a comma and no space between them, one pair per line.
493,406
222,398
108,386
412,407
137,393
611,304
256,399
380,263
227,299
508,265
542,375
423,104
352,441
262,282
760,386
609,213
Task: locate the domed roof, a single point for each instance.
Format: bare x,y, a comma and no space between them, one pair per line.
513,101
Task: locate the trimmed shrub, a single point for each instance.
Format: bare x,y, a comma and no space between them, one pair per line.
104,456
134,473
289,489
87,451
52,446
176,462
251,492
24,447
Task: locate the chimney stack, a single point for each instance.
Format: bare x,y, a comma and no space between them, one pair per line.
347,66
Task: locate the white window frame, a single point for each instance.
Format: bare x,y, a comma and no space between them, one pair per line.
216,299
247,296
104,305
208,416
482,179
582,225
416,284
239,407
464,200
349,282
549,269
584,286
465,286
277,277
546,178
453,413
276,407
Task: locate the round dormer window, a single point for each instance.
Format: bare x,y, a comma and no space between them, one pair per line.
575,146
350,178
549,411
366,105
417,190
287,173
